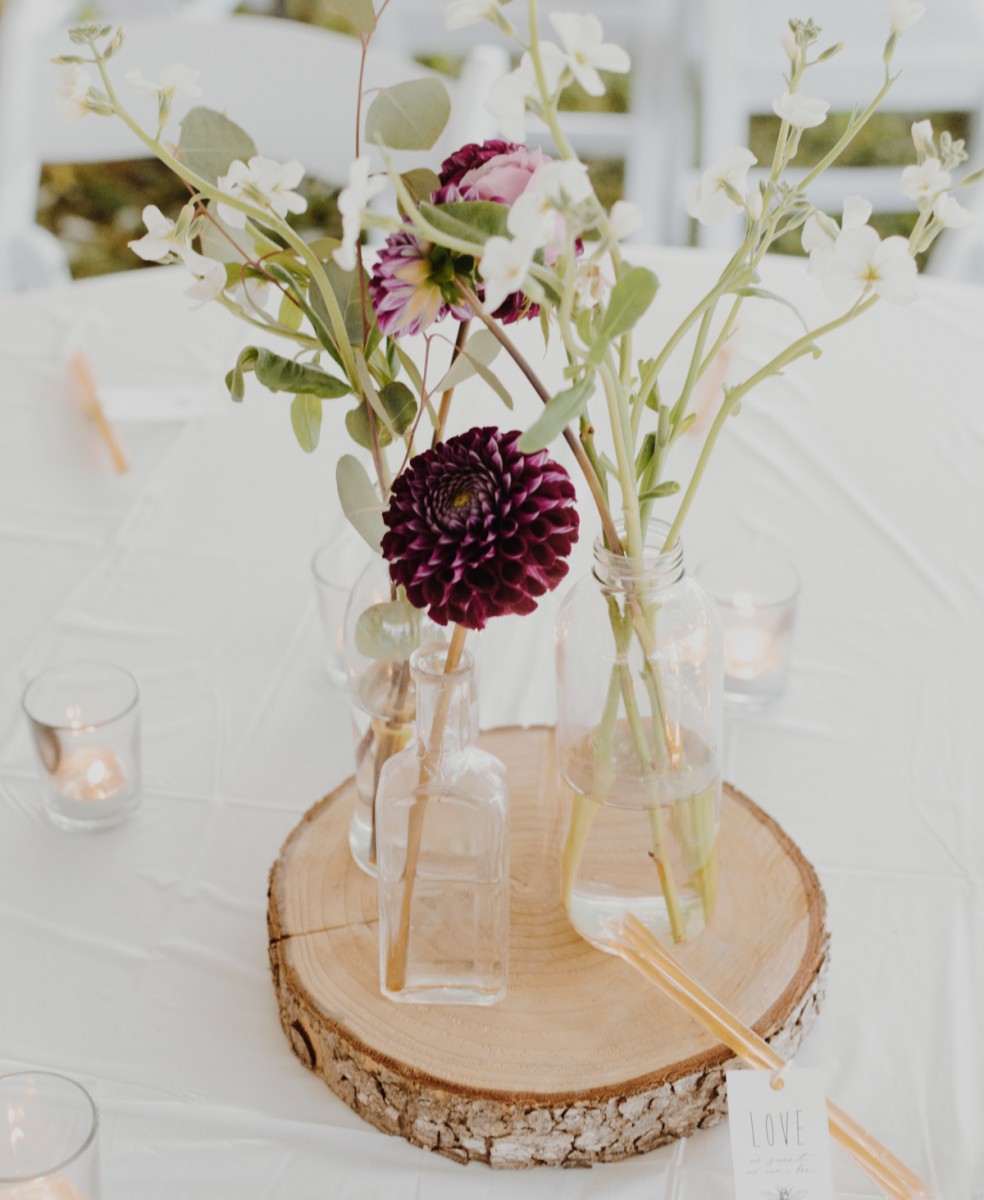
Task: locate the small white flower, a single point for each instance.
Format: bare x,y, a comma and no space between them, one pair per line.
721,188
591,285
922,136
564,182
625,219
801,111
461,13
210,276
533,219
262,181
555,188
820,233
951,213
504,267
754,203
72,97
352,203
160,240
177,82
862,260
925,181
903,14
581,34
508,96
790,45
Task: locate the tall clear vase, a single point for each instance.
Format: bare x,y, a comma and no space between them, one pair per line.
443,850
639,708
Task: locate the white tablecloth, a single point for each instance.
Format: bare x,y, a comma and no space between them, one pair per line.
136,960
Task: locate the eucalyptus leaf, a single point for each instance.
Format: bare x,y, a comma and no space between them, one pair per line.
410,115
305,417
358,14
401,408
209,142
494,382
561,410
481,348
345,285
361,505
389,630
630,298
279,374
290,314
468,220
421,183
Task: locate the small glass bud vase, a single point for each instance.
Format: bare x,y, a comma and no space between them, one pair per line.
443,849
381,632
639,704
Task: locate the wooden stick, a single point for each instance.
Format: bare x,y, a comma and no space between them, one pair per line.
633,942
82,374
396,957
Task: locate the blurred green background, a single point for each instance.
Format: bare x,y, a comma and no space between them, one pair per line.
95,209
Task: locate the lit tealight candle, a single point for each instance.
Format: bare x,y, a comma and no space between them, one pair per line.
750,653
89,773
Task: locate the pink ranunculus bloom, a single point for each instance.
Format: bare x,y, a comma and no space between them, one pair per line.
499,171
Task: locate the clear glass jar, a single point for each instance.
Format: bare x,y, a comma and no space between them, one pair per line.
639,703
381,632
443,849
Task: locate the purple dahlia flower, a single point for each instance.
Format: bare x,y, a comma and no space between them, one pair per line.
413,282
476,529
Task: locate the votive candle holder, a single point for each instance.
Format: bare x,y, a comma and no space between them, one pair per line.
84,719
49,1138
756,594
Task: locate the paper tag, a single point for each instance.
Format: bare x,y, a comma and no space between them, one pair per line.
780,1142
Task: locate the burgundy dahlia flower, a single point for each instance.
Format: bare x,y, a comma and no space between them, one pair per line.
476,529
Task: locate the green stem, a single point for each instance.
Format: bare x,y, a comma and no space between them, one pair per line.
796,350
845,139
594,484
210,192
656,820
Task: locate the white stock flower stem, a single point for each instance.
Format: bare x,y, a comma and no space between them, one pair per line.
583,461
848,136
206,189
792,352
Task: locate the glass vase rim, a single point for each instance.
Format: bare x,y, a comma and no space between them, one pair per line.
419,667
86,1142
90,726
653,560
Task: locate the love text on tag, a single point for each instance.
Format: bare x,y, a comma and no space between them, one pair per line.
780,1144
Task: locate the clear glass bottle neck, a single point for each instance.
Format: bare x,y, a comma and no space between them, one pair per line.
447,702
655,569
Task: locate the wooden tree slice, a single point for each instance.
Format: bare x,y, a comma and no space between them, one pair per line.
584,1061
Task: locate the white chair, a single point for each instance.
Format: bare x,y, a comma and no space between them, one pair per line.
292,87
734,48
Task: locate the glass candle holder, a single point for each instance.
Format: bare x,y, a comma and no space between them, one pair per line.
335,567
756,594
85,723
49,1128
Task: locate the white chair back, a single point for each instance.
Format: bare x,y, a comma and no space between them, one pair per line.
292,87
737,59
